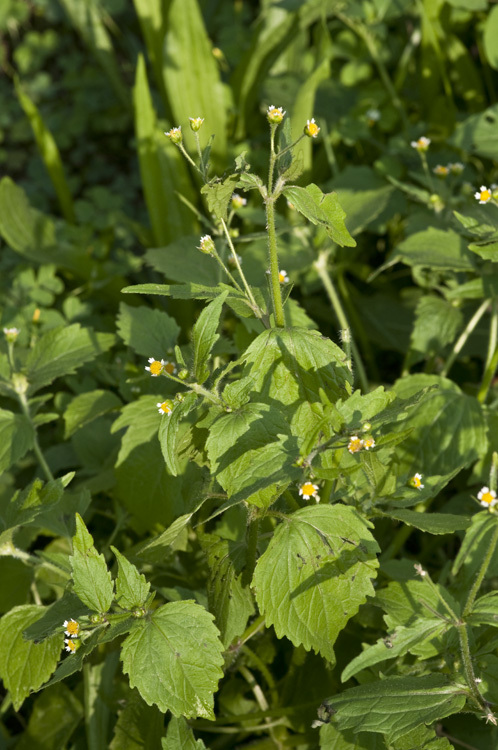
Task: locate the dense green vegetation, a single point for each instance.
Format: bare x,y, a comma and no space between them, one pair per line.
248,395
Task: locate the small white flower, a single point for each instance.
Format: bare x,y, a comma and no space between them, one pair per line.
368,443
72,628
238,201
372,115
156,366
422,144
419,570
70,645
311,129
487,497
165,407
416,482
308,490
355,444
282,277
483,195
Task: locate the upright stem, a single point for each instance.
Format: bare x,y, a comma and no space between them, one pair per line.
467,666
249,293
482,572
462,339
278,307
36,445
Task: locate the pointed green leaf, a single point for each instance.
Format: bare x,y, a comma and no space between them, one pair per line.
397,704
92,581
149,332
138,727
321,209
485,610
25,665
314,575
433,523
205,336
168,432
16,438
435,248
86,407
180,735
406,603
183,261
332,738
61,351
174,659
56,714
218,195
132,589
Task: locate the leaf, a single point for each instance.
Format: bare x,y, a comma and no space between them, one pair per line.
396,644
183,261
250,450
321,209
490,36
477,538
432,523
138,727
485,610
55,715
229,601
86,407
205,336
218,195
477,134
92,581
16,438
363,195
179,734
25,665
410,601
174,659
194,90
183,291
314,575
162,169
48,152
396,705
168,432
149,332
435,249
61,351
437,323
331,738
68,607
132,589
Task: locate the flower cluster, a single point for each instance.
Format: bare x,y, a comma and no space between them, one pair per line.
357,444
207,245
373,116
165,407
451,168
72,629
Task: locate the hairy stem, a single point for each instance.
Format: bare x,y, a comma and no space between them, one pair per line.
278,307
482,572
462,339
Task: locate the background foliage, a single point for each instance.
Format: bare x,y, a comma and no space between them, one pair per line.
94,200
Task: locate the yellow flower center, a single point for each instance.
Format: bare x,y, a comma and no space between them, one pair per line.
72,628
416,482
369,442
485,195
281,277
155,367
355,445
487,497
170,368
308,489
313,129
166,407
71,645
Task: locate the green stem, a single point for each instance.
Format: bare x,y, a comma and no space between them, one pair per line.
493,333
468,668
254,304
291,501
259,664
230,276
488,378
36,445
278,307
251,630
189,158
462,339
321,267
482,572
423,159
291,146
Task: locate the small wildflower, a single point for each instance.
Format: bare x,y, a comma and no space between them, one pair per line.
490,718
282,277
207,245
456,167
71,646
275,115
311,129
419,570
36,316
483,195
308,490
11,334
422,144
355,444
175,134
165,407
169,367
373,116
231,260
416,482
238,201
195,123
72,628
156,366
368,443
441,171
487,497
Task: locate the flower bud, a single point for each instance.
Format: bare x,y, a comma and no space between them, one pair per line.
183,374
175,135
311,129
11,334
180,397
195,123
207,245
238,201
275,115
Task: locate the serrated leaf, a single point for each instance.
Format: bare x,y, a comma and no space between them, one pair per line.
183,261
433,523
55,715
149,332
485,610
321,209
314,575
86,407
435,248
332,738
34,500
398,643
218,195
407,602
16,438
180,735
477,538
61,351
229,601
396,705
68,607
25,665
205,336
477,134
174,658
168,432
437,323
92,581
132,589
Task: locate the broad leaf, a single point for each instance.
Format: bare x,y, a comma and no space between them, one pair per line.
25,665
180,735
16,438
92,580
174,659
396,705
182,261
332,738
61,351
138,727
149,332
168,432
86,407
435,248
315,573
321,209
433,523
218,195
205,336
476,539
55,715
485,610
132,589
